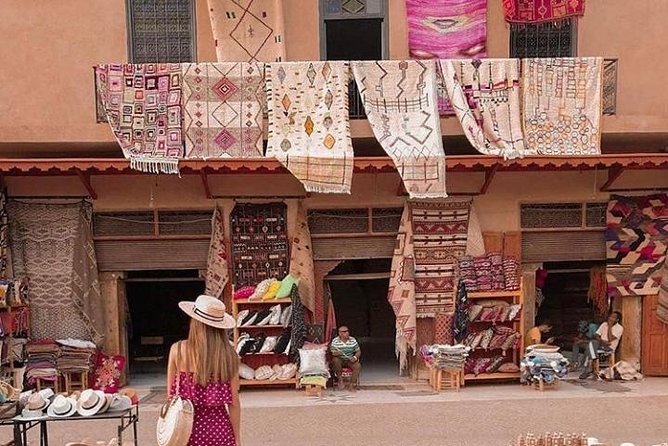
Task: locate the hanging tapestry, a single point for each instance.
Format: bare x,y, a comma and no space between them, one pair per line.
52,246
401,292
400,102
222,105
446,29
485,95
247,30
298,333
301,259
562,105
259,242
4,234
536,11
439,239
309,131
636,239
460,325
217,273
662,306
143,106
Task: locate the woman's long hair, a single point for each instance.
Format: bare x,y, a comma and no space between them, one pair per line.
212,357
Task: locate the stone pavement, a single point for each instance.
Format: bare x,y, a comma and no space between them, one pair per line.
478,415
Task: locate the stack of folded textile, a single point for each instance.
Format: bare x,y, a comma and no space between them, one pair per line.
483,272
543,364
42,361
511,274
75,356
496,261
467,273
448,356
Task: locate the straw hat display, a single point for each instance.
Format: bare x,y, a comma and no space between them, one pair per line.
91,402
62,407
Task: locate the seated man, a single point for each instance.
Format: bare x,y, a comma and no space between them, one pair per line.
345,353
586,334
535,335
605,340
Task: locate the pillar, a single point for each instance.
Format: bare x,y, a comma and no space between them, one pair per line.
630,345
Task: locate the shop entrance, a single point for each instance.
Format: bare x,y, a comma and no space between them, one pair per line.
359,293
566,301
154,321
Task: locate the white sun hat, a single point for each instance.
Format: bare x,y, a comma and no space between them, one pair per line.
209,311
90,402
120,403
62,407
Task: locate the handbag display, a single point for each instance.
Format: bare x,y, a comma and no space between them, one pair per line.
175,422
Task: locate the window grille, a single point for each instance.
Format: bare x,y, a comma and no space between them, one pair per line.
386,219
549,39
557,215
596,215
152,224
161,30
338,221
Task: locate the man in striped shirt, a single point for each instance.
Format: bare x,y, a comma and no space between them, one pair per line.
346,353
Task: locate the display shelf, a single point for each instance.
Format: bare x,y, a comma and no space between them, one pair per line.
266,382
513,297
262,302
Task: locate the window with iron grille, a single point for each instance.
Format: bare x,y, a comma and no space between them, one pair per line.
161,30
538,216
549,39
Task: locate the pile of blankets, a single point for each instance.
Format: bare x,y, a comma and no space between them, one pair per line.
490,272
546,366
75,356
42,361
445,356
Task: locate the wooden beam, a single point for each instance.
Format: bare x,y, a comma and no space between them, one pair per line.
205,184
613,173
489,176
85,180
360,276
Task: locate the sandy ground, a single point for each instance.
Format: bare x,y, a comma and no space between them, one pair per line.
478,415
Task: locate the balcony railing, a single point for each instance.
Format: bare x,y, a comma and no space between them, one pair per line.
356,107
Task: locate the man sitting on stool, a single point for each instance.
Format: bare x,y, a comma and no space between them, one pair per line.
606,340
346,353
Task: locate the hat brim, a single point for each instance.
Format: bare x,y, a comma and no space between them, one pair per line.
95,409
73,409
189,308
121,404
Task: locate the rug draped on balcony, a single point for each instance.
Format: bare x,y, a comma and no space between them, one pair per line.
446,29
401,293
222,107
399,98
636,239
309,131
439,238
562,105
143,106
248,31
52,246
217,268
537,11
485,95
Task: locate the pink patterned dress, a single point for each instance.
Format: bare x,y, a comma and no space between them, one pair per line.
212,425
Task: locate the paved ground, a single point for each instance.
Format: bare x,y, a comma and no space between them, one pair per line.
478,415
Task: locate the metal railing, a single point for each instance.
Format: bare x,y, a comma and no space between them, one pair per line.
356,107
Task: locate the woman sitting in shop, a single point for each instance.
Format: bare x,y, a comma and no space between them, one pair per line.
205,370
535,335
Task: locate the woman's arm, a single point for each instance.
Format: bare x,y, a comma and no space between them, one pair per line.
235,410
171,369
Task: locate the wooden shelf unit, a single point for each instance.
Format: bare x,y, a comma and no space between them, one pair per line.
267,358
8,337
513,297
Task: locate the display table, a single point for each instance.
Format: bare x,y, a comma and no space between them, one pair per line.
127,418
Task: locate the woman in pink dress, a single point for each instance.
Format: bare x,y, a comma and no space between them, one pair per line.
205,370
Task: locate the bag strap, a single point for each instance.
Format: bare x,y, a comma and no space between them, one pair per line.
178,369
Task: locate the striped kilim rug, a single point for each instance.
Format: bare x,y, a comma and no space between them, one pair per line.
439,237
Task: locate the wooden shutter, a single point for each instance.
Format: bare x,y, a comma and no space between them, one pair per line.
348,248
130,255
556,246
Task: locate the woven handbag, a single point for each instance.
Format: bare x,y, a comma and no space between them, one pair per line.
175,422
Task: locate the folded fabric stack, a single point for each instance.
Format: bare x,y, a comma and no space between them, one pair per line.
467,273
493,338
76,356
511,273
275,315
445,356
278,372
491,272
261,343
42,360
545,365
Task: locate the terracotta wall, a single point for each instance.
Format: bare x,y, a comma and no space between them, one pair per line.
46,84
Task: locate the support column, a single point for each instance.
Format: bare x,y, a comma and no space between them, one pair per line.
529,289
321,269
112,290
630,345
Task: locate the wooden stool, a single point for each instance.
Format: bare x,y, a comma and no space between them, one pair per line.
447,378
542,385
313,390
75,381
44,384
